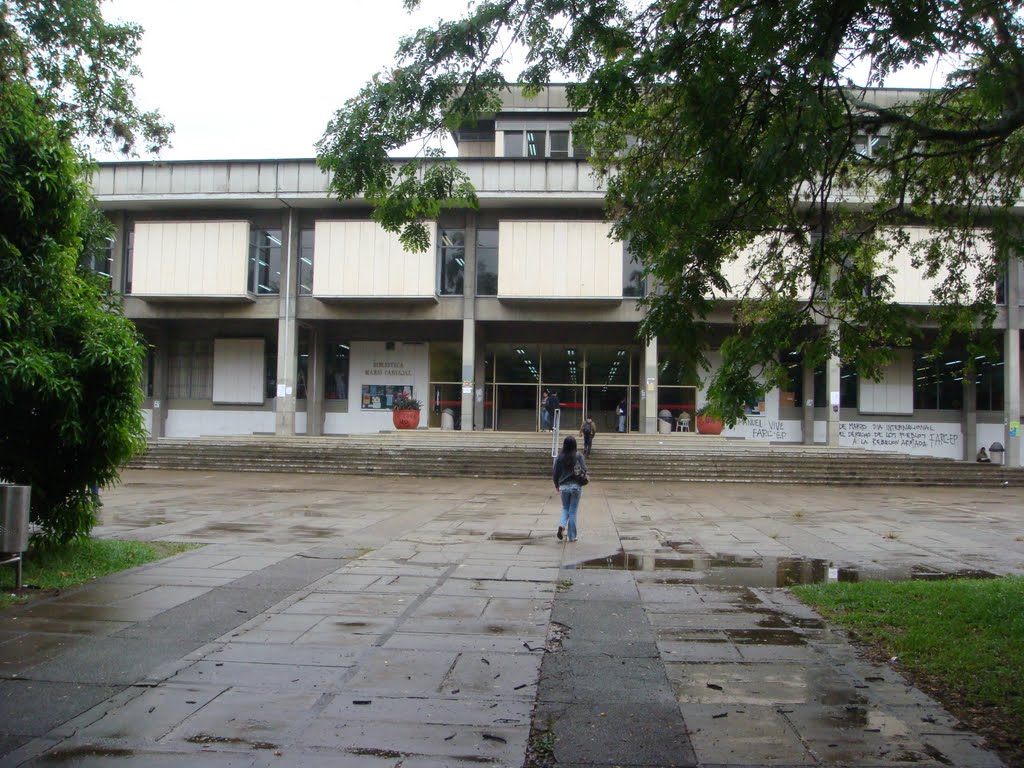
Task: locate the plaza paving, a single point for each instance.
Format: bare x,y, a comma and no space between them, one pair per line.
357,621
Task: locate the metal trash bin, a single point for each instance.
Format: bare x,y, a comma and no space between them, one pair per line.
14,508
995,448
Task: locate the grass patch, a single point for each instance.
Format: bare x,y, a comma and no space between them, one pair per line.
962,640
80,561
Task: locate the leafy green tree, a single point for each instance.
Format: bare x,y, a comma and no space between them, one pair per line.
70,362
746,130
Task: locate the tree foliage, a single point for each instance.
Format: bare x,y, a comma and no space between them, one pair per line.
70,362
748,130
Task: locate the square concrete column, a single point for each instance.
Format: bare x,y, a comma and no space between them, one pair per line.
287,333
161,342
832,385
1011,363
469,380
315,383
808,404
969,418
649,387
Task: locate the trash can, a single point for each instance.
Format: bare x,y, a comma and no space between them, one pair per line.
14,504
664,421
997,448
447,419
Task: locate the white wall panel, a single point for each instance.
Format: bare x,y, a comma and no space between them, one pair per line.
911,284
360,259
238,371
188,423
559,259
894,393
194,258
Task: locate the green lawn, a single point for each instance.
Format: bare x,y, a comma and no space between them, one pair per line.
962,640
81,561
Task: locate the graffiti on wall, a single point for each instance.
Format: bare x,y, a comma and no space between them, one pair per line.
904,437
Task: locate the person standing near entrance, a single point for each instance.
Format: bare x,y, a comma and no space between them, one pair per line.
566,479
621,413
551,405
545,416
587,431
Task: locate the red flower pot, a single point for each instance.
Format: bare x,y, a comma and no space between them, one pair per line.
709,425
408,419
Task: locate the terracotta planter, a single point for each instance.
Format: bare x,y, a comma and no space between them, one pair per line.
709,425
406,419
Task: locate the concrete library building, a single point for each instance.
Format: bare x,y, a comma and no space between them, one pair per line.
270,307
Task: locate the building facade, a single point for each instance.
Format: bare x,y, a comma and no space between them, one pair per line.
269,307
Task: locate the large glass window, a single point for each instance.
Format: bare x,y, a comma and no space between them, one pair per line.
100,261
129,252
264,260
452,261
938,382
336,376
487,262
989,381
306,237
632,274
190,370
445,382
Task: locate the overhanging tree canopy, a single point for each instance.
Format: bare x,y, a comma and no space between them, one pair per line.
741,129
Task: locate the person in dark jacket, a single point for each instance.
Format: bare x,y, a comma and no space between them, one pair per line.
564,477
550,406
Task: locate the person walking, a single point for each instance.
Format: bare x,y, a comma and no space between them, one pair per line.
587,431
621,413
545,414
551,404
569,483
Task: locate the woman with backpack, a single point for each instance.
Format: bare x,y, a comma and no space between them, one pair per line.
569,474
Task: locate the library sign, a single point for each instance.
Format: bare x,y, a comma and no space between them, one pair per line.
379,397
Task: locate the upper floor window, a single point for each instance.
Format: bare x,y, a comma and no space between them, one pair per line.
451,253
306,237
540,144
100,261
487,262
264,260
633,283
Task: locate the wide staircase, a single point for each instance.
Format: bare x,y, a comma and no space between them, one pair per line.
678,457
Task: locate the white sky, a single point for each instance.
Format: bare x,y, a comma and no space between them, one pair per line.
261,79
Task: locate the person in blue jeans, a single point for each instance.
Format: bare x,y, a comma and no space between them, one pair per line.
564,477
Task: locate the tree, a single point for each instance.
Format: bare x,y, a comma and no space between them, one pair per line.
70,362
746,130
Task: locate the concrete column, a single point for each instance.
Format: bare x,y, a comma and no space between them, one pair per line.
315,383
649,387
480,381
969,419
1011,363
118,255
161,342
808,404
832,393
287,332
469,384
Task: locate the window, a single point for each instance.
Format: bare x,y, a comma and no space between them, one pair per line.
540,144
632,274
306,238
190,370
513,143
100,261
559,144
535,144
989,380
336,378
938,382
452,261
129,249
264,260
487,262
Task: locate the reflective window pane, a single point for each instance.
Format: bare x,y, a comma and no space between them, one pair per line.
452,261
559,144
487,262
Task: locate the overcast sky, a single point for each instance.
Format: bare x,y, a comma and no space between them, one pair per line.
261,79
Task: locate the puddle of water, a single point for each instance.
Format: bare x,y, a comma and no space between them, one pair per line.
763,571
764,637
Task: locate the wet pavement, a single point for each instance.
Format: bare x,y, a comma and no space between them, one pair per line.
394,622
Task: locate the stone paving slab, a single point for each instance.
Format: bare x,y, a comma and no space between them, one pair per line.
349,621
